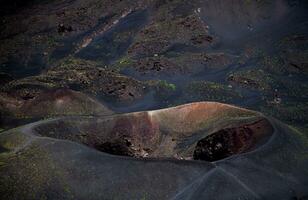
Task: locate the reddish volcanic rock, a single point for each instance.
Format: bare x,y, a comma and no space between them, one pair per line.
164,133
231,141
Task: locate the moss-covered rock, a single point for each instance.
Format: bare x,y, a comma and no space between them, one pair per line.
255,79
210,91
167,29
81,75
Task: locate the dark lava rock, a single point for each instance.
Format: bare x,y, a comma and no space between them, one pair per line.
5,78
63,29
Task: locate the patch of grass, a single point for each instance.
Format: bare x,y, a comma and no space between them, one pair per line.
122,63
166,85
125,61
